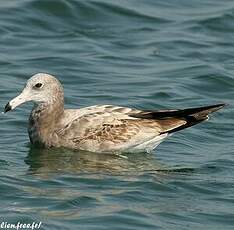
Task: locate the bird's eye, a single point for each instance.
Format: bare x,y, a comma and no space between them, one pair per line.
38,85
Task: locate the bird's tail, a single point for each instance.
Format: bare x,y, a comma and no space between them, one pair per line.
175,120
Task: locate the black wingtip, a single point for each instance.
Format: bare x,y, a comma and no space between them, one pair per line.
194,116
162,114
223,105
216,107
7,107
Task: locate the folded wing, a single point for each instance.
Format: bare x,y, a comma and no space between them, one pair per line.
110,128
170,120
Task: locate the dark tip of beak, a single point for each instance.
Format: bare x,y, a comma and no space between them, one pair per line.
7,108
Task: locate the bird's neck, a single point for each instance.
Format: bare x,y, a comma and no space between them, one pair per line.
43,121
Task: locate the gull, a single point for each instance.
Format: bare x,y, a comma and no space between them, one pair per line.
98,128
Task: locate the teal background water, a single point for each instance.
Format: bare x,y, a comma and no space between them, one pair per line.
149,54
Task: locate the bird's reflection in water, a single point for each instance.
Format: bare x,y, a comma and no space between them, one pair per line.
46,161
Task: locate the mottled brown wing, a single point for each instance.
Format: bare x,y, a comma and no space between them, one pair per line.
115,133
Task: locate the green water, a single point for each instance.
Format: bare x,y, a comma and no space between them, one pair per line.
148,54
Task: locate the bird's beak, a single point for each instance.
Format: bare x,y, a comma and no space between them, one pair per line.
20,99
7,107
